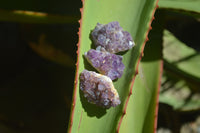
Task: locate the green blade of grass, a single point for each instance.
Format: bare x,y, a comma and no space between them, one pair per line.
135,17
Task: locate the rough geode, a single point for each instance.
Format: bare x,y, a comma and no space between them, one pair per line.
106,63
98,89
112,37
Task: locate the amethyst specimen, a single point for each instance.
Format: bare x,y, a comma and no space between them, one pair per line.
98,89
112,37
106,63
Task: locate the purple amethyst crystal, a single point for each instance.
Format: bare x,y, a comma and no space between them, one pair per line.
112,37
106,63
98,89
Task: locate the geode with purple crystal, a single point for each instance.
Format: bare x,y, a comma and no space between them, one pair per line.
112,37
106,63
98,89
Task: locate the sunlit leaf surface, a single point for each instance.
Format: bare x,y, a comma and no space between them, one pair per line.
185,5
142,111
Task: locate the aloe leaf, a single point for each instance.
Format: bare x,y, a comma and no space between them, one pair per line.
133,16
185,5
183,74
185,60
47,51
142,109
52,7
179,93
35,17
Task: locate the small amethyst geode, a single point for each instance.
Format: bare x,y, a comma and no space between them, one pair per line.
98,89
112,37
106,63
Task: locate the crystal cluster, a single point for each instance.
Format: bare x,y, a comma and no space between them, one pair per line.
106,63
98,89
112,37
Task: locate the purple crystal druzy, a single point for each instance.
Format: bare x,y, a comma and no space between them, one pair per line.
98,89
106,63
112,37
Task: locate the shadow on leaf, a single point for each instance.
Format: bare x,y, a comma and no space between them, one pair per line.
91,109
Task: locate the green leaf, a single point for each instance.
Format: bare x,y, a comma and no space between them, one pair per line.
142,111
47,51
182,79
135,17
63,7
35,17
185,59
179,93
185,5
